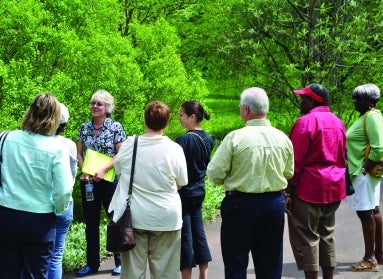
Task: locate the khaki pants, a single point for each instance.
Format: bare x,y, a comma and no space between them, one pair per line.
311,232
159,250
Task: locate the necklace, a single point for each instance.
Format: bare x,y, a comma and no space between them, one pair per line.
99,128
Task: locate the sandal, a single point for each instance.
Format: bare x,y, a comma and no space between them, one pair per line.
365,265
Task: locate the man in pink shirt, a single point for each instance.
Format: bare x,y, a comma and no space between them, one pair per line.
318,185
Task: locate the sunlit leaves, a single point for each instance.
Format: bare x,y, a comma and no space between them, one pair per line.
74,47
337,43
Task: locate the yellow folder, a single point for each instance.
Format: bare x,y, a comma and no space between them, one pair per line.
95,161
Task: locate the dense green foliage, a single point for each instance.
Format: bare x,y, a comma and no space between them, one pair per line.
72,48
281,45
176,50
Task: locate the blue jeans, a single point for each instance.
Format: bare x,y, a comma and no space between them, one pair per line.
253,223
194,246
26,243
62,226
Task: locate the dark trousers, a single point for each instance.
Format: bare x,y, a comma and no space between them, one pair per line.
253,223
194,247
103,193
26,243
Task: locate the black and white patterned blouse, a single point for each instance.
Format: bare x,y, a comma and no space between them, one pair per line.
111,133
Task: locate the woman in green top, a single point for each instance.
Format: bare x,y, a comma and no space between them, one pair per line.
368,128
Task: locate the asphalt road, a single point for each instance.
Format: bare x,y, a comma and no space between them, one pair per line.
349,247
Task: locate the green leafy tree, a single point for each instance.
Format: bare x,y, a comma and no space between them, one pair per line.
73,47
282,45
148,11
288,44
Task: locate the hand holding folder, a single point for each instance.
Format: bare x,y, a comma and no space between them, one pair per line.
94,161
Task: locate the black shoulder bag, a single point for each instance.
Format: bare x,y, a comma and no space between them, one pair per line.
3,136
120,235
349,187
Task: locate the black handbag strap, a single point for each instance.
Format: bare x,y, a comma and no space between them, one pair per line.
3,136
133,165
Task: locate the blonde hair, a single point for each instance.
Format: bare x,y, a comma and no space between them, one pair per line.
43,115
107,98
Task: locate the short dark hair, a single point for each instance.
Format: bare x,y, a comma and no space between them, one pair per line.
156,115
321,91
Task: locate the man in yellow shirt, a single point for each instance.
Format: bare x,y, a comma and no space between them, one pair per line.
253,164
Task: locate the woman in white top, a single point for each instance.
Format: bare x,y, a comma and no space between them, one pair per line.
160,171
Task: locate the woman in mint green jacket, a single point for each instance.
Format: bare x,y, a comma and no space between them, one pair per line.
36,185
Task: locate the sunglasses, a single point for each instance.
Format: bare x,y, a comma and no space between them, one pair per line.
97,104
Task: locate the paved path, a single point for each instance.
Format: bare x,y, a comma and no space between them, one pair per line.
349,245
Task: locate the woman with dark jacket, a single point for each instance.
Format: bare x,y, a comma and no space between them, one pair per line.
197,146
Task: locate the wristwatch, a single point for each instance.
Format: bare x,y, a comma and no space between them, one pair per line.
364,171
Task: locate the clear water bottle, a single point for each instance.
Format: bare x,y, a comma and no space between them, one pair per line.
89,192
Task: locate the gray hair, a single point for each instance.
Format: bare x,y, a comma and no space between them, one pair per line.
257,100
367,91
105,97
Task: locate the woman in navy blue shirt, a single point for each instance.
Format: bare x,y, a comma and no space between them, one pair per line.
197,146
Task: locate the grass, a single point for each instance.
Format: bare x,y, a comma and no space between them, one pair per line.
224,114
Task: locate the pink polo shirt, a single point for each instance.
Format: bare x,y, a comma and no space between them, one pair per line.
319,141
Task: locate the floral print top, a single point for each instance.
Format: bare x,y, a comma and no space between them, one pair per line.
105,142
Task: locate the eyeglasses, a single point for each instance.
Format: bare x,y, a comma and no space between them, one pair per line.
97,104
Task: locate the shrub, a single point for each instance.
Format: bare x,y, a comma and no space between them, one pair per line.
75,247
213,198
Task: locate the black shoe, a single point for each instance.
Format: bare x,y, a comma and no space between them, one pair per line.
117,271
86,271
